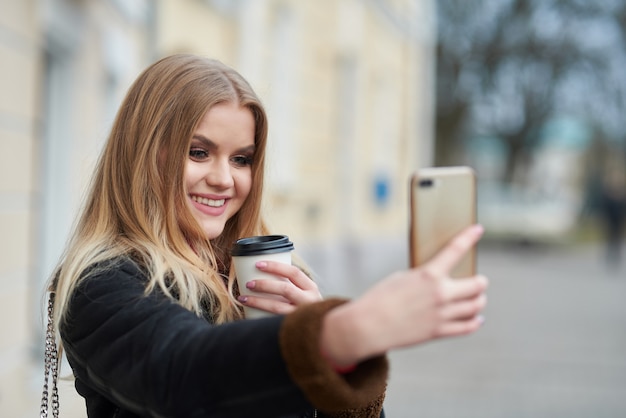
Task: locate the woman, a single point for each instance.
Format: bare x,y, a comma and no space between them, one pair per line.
146,300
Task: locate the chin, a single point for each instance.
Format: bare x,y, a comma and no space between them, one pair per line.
213,232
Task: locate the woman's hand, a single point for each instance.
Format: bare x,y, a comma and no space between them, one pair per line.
408,308
287,295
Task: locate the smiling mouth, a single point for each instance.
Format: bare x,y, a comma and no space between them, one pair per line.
208,202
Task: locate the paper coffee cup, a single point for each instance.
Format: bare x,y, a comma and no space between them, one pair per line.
246,252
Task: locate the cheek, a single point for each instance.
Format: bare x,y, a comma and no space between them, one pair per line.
190,175
245,184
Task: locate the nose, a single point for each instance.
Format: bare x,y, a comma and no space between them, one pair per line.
220,175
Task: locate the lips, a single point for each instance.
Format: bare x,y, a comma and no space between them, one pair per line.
209,206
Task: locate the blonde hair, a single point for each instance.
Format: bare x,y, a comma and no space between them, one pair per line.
136,205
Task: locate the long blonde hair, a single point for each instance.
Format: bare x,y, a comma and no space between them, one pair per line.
136,205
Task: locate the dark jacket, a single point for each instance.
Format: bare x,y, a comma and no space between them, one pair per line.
136,355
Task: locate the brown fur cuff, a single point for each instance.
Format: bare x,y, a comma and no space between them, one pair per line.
369,411
362,389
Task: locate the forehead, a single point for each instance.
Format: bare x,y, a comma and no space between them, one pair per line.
227,122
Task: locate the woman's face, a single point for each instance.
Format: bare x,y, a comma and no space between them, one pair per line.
218,173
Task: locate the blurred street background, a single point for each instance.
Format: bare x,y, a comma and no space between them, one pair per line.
360,93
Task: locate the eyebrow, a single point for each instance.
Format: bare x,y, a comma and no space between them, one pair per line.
211,145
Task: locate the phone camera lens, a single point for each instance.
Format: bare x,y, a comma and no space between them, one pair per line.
426,183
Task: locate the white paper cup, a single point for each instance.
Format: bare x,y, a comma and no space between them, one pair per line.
246,252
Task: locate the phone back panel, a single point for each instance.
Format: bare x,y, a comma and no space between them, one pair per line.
443,203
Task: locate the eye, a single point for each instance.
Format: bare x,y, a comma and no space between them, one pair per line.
198,154
242,160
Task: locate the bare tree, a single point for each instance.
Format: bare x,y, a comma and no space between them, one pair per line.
505,67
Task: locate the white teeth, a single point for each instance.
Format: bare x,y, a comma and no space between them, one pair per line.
208,202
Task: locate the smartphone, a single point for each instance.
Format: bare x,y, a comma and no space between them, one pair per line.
443,203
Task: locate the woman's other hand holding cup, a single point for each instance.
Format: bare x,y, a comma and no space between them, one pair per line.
296,290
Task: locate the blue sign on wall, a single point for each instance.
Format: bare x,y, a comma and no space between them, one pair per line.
381,190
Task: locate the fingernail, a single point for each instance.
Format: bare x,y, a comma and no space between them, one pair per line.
479,229
251,284
242,299
481,319
261,264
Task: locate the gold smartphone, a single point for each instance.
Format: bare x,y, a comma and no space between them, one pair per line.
443,203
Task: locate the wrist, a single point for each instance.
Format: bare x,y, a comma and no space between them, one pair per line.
341,369
343,339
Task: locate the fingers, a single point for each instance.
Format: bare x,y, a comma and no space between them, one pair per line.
460,327
289,288
277,305
293,273
442,263
464,309
458,289
462,314
283,288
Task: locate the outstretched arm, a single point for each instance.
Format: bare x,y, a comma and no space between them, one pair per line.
408,308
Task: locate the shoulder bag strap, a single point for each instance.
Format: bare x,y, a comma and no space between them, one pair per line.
51,366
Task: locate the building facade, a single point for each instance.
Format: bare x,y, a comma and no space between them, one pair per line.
348,89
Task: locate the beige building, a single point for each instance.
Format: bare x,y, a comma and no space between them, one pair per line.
348,88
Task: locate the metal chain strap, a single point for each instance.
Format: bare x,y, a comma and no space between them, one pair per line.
51,366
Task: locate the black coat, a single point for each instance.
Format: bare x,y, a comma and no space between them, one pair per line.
143,355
